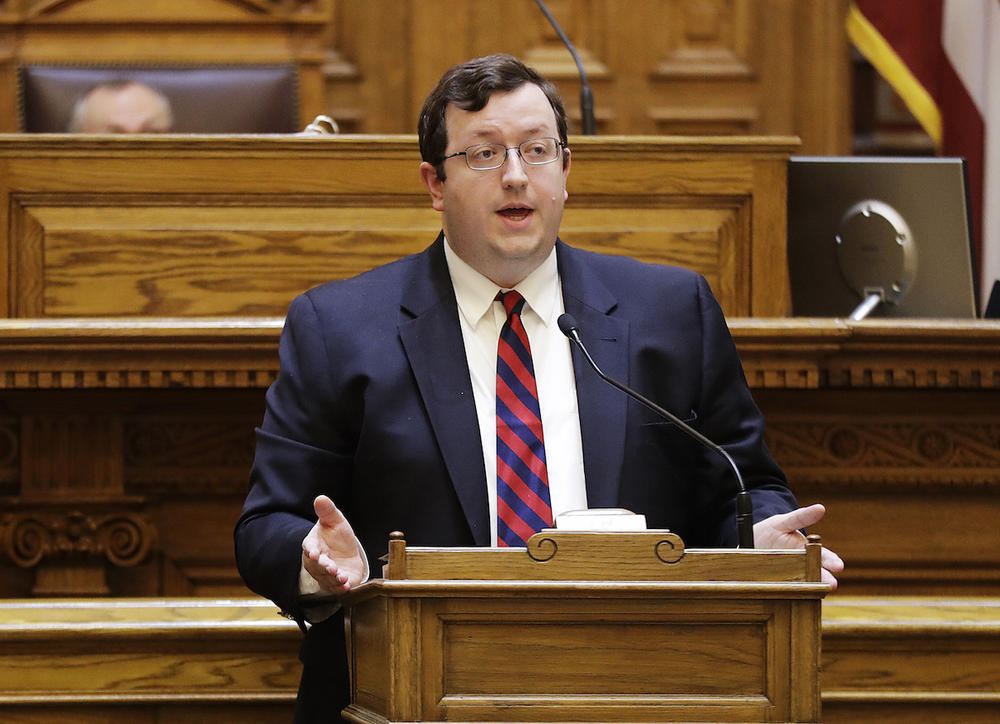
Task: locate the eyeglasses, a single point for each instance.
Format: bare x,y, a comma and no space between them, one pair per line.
486,156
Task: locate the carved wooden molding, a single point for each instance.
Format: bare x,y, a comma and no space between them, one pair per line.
892,452
212,11
884,354
242,353
709,40
145,353
123,538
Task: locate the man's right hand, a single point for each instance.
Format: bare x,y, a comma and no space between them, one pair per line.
330,552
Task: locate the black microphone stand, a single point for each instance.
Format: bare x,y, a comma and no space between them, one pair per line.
744,503
587,122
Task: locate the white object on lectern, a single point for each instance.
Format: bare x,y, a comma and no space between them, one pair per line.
600,519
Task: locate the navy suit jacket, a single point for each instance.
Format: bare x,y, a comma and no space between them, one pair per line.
374,407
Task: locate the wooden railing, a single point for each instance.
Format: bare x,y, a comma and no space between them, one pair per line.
888,659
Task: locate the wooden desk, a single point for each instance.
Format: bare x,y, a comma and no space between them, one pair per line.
237,225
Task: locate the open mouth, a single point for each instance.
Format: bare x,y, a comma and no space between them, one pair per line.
516,213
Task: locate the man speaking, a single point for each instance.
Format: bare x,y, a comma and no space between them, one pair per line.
437,396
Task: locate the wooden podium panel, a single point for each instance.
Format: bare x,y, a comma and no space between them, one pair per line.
587,627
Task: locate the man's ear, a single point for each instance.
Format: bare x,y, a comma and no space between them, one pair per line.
434,185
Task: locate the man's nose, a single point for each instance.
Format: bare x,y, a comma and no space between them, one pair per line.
514,170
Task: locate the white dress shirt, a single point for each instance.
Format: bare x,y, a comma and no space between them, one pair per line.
481,318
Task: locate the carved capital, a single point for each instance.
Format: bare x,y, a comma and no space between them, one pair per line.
31,537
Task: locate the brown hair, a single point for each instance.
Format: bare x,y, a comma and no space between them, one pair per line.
469,86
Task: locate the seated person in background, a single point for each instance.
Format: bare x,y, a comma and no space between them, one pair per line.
121,106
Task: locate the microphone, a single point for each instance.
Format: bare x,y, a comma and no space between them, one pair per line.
586,95
744,504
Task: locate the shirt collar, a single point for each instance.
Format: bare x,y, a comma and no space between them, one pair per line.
475,293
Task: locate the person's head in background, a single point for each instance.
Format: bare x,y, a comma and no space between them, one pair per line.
121,106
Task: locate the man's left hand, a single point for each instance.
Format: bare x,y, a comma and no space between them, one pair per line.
784,531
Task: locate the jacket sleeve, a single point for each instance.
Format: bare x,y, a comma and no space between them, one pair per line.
302,450
731,418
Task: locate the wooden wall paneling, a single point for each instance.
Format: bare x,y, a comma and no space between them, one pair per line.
440,36
630,37
126,455
700,67
701,218
779,51
772,298
369,67
9,232
909,473
909,480
822,82
588,24
707,65
197,263
894,426
26,244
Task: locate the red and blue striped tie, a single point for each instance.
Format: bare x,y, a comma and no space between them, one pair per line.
523,506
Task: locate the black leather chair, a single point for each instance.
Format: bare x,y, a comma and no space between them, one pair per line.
213,99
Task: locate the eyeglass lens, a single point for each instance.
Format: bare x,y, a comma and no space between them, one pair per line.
536,151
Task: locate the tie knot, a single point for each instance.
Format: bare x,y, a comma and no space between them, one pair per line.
512,301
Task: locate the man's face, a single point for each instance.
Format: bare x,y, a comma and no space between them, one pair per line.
133,108
502,222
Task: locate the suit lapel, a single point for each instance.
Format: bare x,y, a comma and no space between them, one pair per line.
602,407
431,335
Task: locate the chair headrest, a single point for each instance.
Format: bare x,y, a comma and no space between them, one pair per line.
216,99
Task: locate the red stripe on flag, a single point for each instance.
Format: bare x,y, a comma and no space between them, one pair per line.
913,29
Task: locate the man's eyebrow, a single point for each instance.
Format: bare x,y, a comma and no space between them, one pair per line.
491,134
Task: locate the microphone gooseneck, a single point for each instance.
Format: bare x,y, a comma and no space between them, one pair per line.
744,504
588,124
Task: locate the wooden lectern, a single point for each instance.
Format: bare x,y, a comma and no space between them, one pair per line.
587,627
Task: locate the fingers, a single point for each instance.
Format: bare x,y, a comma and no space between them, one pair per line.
801,518
329,515
326,573
829,578
330,552
831,561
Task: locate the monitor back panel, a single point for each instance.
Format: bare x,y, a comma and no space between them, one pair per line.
928,193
